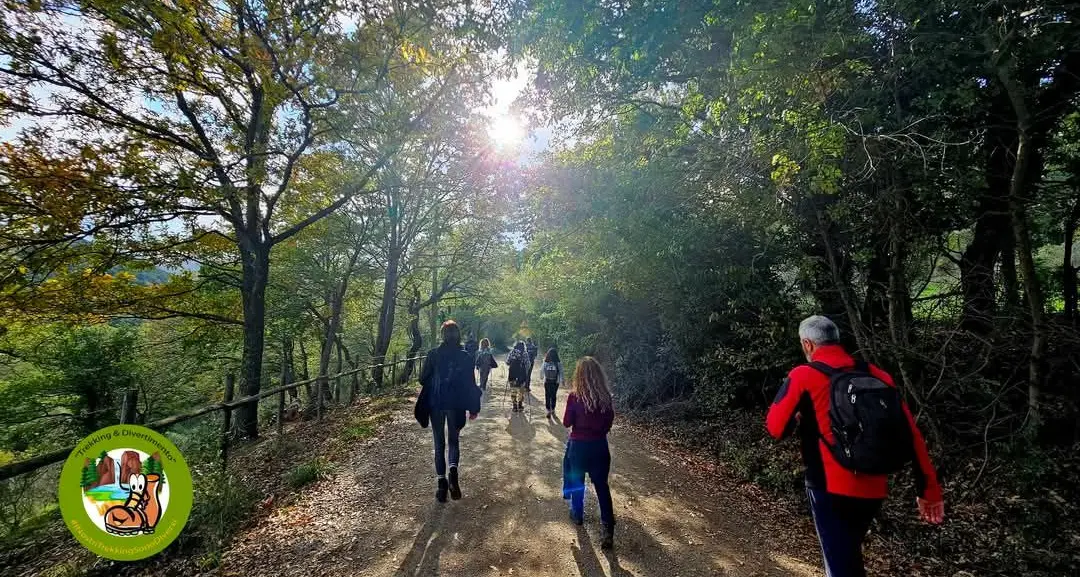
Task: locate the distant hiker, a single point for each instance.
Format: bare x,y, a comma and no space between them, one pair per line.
553,377
518,364
855,430
589,415
448,392
485,361
532,349
471,348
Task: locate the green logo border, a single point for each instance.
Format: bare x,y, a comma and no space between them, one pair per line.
116,547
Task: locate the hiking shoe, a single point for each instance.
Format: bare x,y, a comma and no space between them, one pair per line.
577,519
607,536
455,490
440,493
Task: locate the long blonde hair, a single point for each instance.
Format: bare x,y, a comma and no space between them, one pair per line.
590,386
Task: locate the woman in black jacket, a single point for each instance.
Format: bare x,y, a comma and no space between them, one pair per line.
449,392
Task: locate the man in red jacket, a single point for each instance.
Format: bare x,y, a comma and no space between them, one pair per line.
843,502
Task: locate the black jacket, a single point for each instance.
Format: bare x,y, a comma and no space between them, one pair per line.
448,384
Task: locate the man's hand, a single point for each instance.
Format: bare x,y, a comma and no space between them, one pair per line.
472,416
931,512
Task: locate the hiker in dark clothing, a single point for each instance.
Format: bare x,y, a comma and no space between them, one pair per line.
448,392
855,429
552,372
471,347
532,349
518,364
589,416
485,361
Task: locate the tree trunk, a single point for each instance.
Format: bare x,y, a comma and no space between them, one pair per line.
306,375
287,347
1033,292
839,271
875,309
256,267
1010,282
1027,168
991,226
433,311
353,365
327,345
1068,271
387,311
340,369
417,339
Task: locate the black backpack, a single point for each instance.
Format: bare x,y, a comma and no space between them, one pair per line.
551,374
871,432
483,360
519,365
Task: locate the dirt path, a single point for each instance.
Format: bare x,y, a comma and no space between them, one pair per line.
377,515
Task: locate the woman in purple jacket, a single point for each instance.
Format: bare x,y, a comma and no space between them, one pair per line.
589,415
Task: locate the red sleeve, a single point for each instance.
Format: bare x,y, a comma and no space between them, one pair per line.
781,418
568,414
926,481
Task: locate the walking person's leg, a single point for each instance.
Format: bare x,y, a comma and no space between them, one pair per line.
453,442
438,432
840,540
484,373
599,465
574,483
550,391
857,515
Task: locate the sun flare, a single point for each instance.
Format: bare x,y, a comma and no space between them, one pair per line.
506,131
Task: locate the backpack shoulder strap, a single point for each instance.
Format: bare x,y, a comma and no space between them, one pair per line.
824,369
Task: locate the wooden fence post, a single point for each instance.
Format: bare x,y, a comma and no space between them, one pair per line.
393,372
226,420
128,409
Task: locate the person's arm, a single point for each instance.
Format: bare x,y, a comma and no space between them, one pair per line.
781,418
926,481
930,500
473,392
428,370
568,414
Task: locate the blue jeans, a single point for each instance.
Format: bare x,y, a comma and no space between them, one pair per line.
842,523
594,458
443,429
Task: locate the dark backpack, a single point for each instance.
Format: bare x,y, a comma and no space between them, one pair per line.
444,381
519,365
871,432
483,360
552,372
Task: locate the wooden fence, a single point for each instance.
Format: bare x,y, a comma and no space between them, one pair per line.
127,412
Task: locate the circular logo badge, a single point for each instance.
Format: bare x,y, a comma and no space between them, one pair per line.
125,492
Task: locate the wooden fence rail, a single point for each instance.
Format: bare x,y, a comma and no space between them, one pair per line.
21,467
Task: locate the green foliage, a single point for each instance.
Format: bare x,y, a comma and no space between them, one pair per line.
222,503
308,473
67,384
